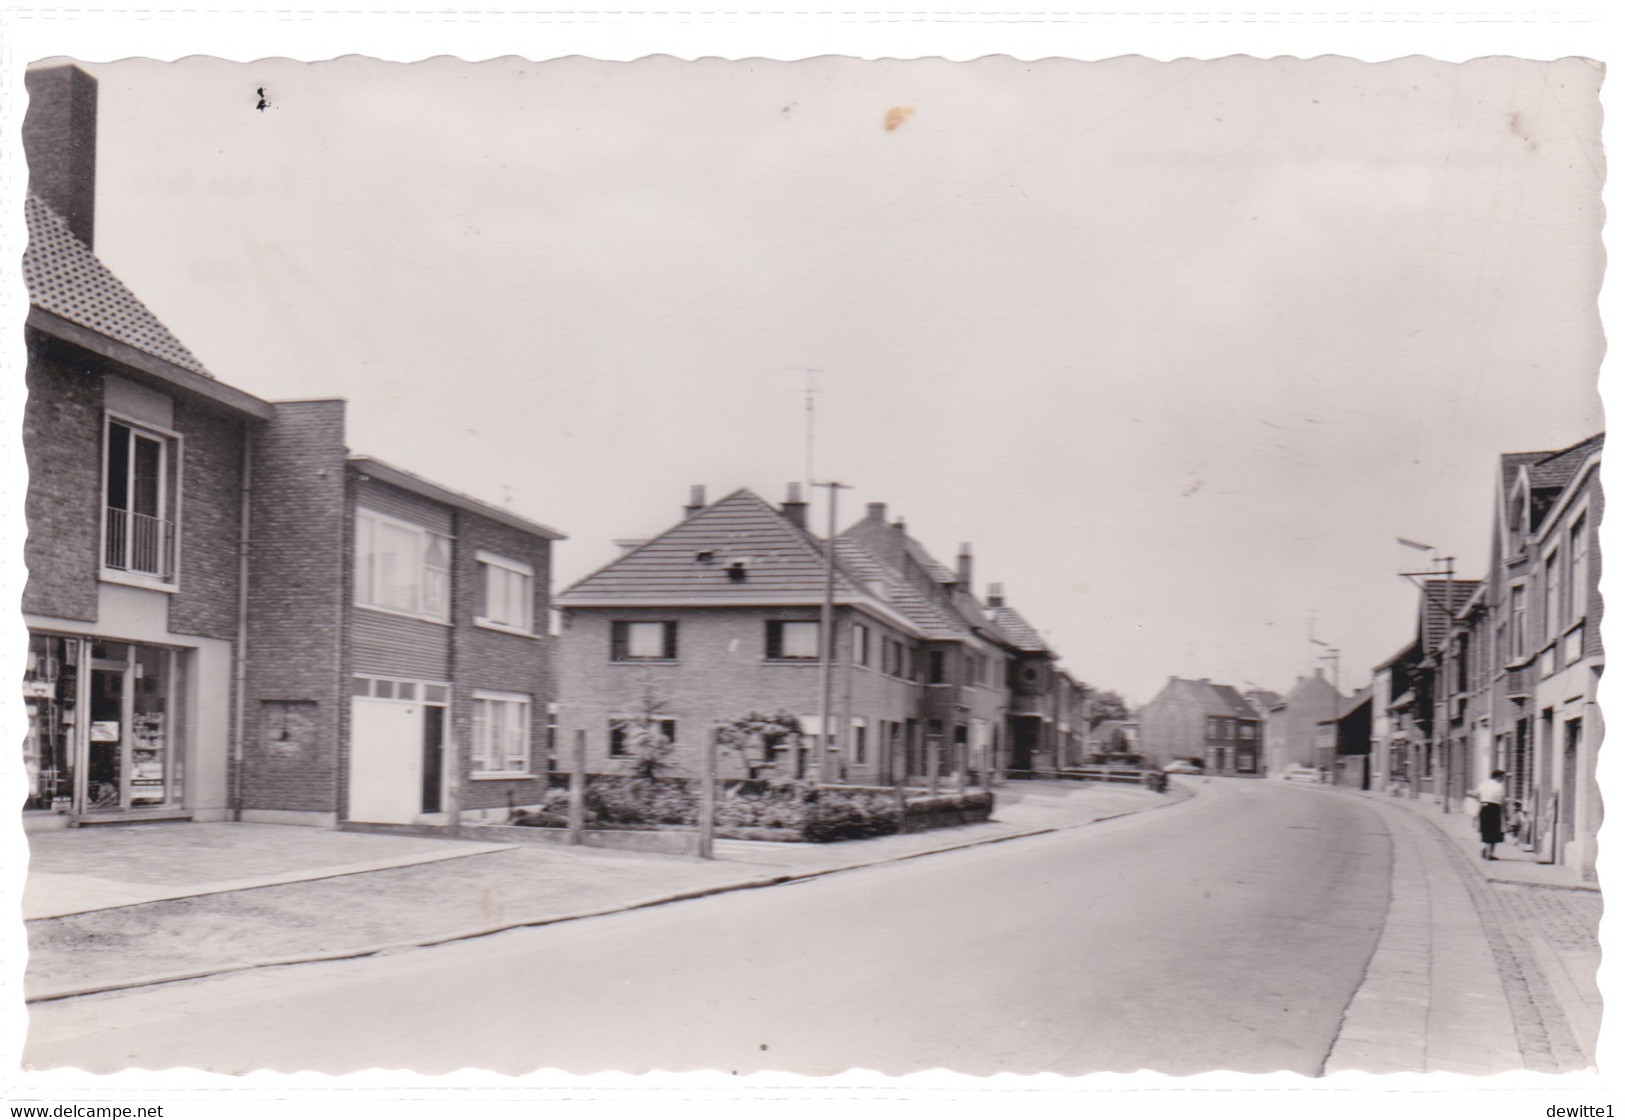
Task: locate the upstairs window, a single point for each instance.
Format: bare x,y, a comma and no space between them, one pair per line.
1520,613
1554,594
1579,569
139,500
401,567
792,641
506,599
860,644
643,641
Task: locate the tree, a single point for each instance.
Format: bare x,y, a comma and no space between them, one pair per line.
1104,706
757,734
648,749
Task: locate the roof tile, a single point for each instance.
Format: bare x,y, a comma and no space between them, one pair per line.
66,279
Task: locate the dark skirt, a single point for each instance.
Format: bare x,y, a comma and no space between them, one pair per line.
1489,823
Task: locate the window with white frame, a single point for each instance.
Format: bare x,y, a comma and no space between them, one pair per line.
860,644
505,596
401,567
501,733
860,741
139,497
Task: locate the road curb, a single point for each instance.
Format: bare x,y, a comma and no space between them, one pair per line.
646,903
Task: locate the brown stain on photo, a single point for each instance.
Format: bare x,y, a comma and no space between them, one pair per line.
1520,128
896,115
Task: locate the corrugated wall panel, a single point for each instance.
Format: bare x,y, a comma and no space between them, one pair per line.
391,646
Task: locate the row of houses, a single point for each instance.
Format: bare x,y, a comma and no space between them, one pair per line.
724,614
1501,673
232,616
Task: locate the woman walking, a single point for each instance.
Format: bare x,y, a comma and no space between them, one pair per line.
1491,796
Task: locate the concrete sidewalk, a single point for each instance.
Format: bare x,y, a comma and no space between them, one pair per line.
213,920
1455,921
74,871
1511,864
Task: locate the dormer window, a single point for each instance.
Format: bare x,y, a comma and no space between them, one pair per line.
704,556
738,571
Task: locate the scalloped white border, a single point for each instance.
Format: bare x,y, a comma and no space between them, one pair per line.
409,31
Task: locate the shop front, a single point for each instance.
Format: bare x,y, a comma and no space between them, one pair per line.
105,728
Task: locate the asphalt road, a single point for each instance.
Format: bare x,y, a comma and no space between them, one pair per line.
1228,932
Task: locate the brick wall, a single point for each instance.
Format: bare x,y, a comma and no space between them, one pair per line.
62,433
721,673
205,602
298,576
490,659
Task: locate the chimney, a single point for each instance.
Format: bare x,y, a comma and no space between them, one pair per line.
696,501
794,509
877,512
995,594
59,140
966,567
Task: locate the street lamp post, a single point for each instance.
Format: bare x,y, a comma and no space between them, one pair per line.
827,743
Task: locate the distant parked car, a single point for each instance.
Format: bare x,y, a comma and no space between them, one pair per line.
1298,773
1181,766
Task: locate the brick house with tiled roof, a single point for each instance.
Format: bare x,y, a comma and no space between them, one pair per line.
1210,723
231,617
719,616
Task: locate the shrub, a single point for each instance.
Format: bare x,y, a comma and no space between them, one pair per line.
618,799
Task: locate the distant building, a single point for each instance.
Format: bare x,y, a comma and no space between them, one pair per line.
1198,719
1290,737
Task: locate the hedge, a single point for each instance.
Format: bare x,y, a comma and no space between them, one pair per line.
761,810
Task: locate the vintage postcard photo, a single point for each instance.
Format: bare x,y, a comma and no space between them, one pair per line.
994,566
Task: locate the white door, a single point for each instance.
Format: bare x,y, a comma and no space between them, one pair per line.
386,761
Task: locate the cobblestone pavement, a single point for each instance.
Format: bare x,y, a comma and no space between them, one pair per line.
1549,948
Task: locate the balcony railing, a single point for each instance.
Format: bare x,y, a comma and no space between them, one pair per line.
141,544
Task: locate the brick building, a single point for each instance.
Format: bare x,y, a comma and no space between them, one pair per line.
1211,723
229,616
1290,725
720,616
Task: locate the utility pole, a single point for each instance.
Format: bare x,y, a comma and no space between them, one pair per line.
826,641
578,788
708,796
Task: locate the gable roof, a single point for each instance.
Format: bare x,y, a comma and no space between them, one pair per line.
67,280
1556,468
1017,630
929,619
1231,699
783,562
1442,600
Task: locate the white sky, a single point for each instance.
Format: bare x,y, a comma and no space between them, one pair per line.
1181,347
